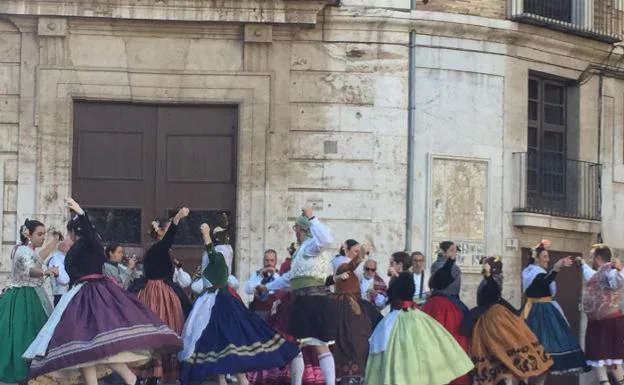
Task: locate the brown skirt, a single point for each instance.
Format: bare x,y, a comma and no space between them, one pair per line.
502,346
354,329
162,300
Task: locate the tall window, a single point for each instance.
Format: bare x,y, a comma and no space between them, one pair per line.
546,158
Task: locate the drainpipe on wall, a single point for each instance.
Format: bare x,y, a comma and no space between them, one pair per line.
411,113
599,161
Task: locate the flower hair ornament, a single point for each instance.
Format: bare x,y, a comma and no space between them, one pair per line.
543,244
155,225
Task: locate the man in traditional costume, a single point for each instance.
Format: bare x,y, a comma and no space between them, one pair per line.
604,338
312,321
262,305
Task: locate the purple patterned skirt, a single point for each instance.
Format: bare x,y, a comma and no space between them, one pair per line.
100,321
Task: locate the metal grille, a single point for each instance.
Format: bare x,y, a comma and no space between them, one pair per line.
598,19
570,189
117,225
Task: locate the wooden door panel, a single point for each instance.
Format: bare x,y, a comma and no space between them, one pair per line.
114,167
196,163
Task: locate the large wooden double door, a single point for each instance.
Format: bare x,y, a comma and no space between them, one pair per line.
135,162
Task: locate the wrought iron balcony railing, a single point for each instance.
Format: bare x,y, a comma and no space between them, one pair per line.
596,19
551,185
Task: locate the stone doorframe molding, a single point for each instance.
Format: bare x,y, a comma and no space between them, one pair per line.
250,91
232,11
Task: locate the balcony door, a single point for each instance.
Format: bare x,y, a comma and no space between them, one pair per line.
546,149
135,162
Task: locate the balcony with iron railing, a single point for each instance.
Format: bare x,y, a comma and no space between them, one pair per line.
553,186
597,19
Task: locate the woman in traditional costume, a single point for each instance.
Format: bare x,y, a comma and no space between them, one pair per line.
97,326
409,347
222,336
444,304
24,305
545,317
161,290
278,320
502,347
355,325
604,338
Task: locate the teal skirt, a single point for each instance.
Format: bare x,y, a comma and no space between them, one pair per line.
22,315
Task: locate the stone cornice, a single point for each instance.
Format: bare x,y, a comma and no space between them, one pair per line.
392,26
232,11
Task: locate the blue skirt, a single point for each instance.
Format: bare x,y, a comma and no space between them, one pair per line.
553,331
235,340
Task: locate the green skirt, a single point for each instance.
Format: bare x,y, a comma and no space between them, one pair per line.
418,351
22,315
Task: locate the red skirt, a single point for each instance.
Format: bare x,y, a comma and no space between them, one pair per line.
450,316
604,339
163,301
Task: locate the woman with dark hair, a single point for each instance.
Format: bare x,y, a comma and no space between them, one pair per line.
502,347
349,249
544,315
24,305
400,262
444,304
222,336
115,270
408,347
354,319
161,290
97,326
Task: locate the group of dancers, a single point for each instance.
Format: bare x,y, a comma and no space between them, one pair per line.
148,327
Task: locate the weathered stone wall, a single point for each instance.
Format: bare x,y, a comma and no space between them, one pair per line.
10,48
486,8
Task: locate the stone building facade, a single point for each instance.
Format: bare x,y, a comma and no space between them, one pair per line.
322,94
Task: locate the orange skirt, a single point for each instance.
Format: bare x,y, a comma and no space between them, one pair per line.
163,301
502,346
